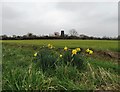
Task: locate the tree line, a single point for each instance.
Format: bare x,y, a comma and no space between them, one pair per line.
73,34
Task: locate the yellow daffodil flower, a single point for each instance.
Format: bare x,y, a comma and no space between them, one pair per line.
90,52
78,49
35,54
49,45
60,55
65,48
87,50
74,52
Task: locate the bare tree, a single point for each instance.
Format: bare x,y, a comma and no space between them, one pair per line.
29,34
56,34
73,32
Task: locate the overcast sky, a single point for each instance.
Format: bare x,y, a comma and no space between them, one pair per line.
90,18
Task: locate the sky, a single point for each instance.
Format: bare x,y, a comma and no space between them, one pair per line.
44,18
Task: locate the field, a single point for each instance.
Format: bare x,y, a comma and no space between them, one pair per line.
95,44
99,71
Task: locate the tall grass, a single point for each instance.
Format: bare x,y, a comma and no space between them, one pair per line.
62,78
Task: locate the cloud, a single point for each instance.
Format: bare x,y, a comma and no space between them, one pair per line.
91,18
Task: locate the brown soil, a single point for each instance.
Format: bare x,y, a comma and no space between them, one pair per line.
108,54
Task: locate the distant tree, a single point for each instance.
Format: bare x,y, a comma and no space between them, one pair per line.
14,36
24,36
29,34
105,38
4,36
56,34
18,37
83,36
73,32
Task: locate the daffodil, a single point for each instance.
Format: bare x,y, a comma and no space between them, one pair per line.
87,50
78,49
49,45
74,52
60,55
90,52
35,54
65,48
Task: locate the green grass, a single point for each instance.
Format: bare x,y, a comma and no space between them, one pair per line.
108,65
19,72
95,44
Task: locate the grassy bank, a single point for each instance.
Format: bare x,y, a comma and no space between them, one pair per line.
21,73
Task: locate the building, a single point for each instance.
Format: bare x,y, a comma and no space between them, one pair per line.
62,33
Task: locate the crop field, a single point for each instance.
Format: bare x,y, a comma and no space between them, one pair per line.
60,65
